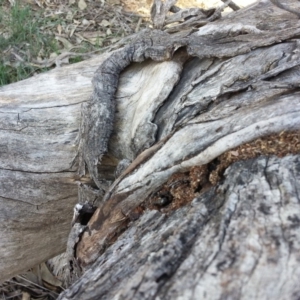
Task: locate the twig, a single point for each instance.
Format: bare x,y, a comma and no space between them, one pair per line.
232,5
33,283
159,12
137,28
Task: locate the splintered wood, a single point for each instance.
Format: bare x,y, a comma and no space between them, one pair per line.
182,188
235,80
202,118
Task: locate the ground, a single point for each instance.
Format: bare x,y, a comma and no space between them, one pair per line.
37,35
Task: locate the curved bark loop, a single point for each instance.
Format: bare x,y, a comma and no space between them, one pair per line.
98,113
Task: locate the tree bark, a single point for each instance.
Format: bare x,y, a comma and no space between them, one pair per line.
239,240
209,91
40,120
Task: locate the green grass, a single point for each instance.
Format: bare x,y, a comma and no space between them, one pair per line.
25,41
4,74
22,26
76,59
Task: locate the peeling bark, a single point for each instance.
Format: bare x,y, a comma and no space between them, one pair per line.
98,114
166,103
236,90
239,240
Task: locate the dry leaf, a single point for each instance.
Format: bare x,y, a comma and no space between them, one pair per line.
82,5
113,2
25,296
79,39
53,55
234,153
48,276
38,3
105,23
65,42
93,34
114,40
40,55
73,28
85,22
59,29
93,37
69,15
108,31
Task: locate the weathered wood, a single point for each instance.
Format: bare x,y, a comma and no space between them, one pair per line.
159,11
225,97
98,113
39,122
234,95
222,85
237,241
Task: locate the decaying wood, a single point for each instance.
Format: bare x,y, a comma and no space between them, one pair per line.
208,90
235,90
290,6
202,123
237,241
159,11
98,113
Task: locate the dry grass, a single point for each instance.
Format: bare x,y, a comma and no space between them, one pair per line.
37,35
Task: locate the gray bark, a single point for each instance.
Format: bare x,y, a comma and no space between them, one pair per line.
242,85
209,90
40,120
237,241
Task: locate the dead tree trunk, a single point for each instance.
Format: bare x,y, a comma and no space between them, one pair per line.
40,120
239,240
173,224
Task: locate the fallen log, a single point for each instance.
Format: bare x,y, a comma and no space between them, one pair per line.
210,90
40,120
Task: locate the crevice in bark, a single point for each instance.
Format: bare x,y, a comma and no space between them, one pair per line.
227,95
182,188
